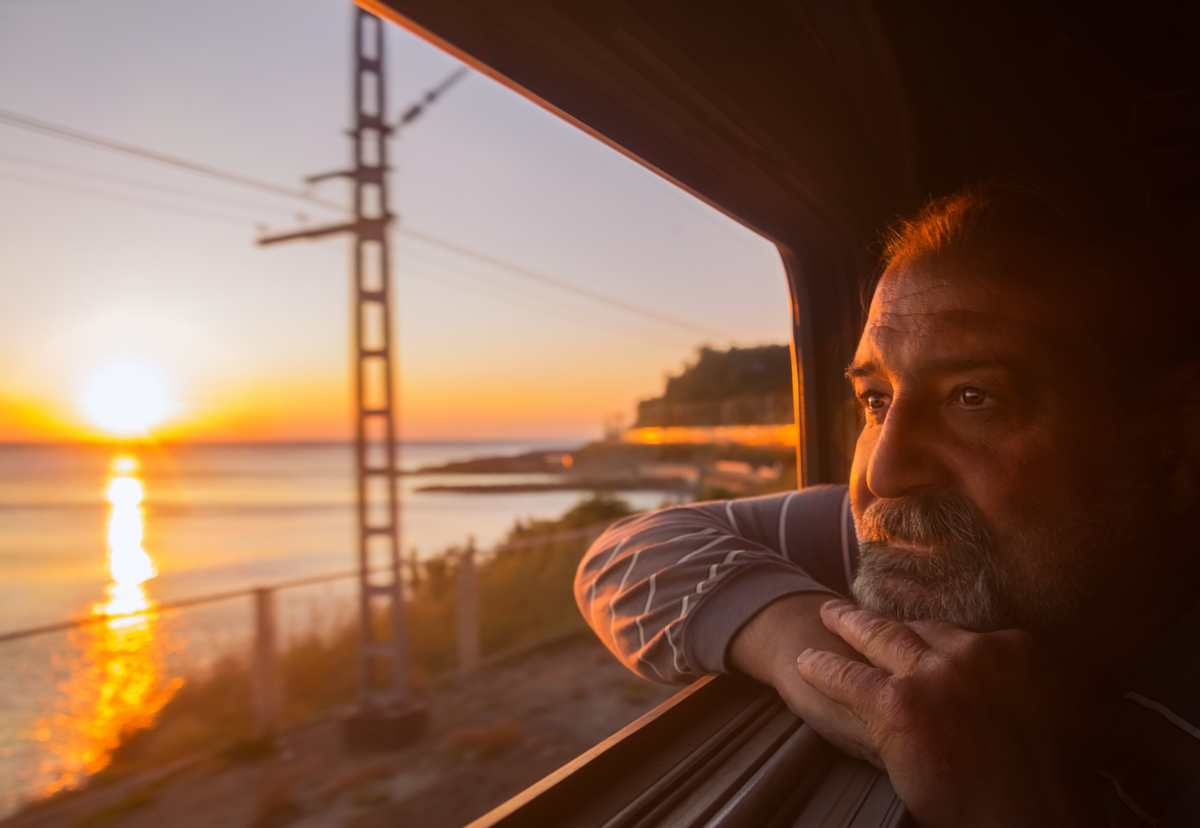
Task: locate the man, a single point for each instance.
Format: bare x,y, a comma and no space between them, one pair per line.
1024,645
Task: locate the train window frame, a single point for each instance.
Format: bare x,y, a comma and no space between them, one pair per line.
706,95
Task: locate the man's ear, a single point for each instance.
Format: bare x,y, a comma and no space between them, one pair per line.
1182,432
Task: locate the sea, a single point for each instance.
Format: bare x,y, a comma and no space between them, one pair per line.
86,528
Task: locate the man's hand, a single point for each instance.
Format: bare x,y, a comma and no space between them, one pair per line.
970,727
766,649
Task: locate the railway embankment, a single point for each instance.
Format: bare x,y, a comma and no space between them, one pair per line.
491,736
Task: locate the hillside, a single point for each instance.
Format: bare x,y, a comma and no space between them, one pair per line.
740,386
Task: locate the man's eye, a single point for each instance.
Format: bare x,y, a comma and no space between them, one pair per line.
972,397
874,402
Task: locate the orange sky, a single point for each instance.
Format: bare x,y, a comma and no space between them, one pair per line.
106,257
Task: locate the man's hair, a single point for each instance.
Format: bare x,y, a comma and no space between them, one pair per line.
1007,212
1134,291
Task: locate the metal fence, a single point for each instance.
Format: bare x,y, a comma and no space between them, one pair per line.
459,569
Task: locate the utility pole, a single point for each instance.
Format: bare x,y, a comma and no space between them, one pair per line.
387,714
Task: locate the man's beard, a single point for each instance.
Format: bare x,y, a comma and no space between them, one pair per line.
1052,573
957,581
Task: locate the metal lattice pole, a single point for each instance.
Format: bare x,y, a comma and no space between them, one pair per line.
383,677
381,596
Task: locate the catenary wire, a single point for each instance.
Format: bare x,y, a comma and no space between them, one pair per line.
548,305
493,289
139,202
25,122
556,303
476,291
146,185
560,284
20,121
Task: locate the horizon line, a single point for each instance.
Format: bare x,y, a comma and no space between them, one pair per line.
131,444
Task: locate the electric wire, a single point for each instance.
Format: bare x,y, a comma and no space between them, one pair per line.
19,121
146,185
560,284
552,304
461,281
417,109
549,306
139,202
409,253
476,291
492,289
38,125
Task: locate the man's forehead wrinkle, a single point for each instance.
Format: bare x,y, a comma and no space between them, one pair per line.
895,323
913,345
913,292
971,319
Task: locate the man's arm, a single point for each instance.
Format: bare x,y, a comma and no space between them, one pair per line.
968,725
669,591
767,647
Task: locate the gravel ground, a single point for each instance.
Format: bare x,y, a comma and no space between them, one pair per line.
490,737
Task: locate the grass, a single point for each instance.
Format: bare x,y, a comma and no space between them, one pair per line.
524,595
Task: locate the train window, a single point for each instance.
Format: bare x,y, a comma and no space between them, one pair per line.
211,560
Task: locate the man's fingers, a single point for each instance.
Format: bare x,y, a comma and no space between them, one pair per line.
851,684
846,733
833,721
888,644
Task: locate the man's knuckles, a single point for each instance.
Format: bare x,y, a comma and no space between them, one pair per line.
845,681
899,709
888,643
938,633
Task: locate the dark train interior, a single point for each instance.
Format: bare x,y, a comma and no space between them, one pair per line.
816,123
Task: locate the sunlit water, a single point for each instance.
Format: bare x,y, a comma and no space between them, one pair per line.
85,530
116,682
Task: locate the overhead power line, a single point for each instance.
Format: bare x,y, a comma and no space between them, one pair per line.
145,185
418,262
25,122
16,119
517,300
556,305
476,290
413,112
475,285
125,199
560,284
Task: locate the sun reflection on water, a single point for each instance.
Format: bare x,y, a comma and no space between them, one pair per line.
116,685
130,565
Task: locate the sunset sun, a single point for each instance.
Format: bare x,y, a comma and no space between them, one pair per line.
126,398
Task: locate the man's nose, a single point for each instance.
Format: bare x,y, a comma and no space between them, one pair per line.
905,458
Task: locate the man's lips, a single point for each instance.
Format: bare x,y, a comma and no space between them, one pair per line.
911,547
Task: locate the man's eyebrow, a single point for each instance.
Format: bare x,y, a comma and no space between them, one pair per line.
856,370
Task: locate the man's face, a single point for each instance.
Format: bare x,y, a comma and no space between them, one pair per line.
991,486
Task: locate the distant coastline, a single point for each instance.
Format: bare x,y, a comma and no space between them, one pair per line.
569,444
569,484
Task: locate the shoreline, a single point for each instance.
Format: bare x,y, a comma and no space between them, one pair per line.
583,484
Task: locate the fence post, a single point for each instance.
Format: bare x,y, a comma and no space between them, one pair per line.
414,569
468,611
265,667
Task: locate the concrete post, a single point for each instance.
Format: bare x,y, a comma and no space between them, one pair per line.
265,665
414,570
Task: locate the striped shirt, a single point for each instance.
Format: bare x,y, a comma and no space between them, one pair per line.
668,591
